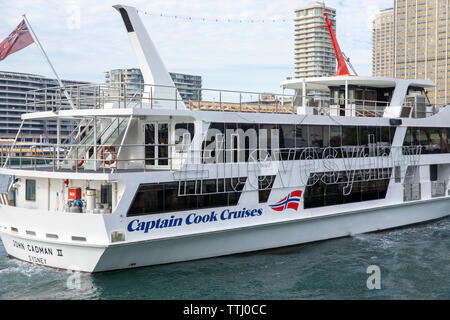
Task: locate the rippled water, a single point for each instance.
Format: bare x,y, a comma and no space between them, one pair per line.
414,262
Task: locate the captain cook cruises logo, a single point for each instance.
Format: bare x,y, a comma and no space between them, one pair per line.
292,201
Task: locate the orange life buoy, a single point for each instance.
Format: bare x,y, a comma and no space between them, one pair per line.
112,150
81,162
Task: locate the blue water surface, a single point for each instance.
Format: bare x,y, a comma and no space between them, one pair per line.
414,264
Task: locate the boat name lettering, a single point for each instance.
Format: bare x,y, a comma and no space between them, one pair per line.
19,245
36,249
41,250
192,219
37,260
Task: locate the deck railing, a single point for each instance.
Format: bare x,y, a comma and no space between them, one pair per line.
133,157
129,95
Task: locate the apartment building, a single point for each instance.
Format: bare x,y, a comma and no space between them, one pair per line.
383,44
422,44
188,85
314,53
15,89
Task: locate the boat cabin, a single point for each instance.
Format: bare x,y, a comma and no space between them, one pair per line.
354,96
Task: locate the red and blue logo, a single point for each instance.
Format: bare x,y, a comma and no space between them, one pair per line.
292,201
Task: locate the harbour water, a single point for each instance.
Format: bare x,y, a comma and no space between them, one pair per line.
414,264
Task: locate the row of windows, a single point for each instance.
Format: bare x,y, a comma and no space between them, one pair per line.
193,195
237,142
182,196
341,188
432,140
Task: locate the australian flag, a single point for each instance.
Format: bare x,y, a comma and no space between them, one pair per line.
292,201
17,40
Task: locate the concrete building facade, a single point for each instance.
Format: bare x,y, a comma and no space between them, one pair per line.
422,44
383,44
14,87
314,53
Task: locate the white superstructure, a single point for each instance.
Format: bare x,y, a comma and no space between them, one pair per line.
151,180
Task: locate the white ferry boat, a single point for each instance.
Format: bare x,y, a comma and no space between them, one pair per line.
152,179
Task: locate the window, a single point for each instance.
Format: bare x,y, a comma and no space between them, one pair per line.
239,142
214,144
265,184
398,174
248,141
155,198
106,194
433,172
431,140
163,141
149,142
268,141
335,188
30,190
287,141
184,133
335,137
349,136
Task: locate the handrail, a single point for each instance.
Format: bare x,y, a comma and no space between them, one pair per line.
123,95
175,161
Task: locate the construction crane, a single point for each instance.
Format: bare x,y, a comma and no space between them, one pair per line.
342,69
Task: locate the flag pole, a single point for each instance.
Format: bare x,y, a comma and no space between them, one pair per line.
48,60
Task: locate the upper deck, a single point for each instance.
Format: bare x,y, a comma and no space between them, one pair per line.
348,96
111,117
136,126
363,96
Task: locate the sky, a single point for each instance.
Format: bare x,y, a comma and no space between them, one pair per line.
86,38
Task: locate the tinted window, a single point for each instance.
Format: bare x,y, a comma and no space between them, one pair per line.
30,190
334,188
106,194
287,141
265,184
239,142
349,136
431,140
182,196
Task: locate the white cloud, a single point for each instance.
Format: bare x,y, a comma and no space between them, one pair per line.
230,55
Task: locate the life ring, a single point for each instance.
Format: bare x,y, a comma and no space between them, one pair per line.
112,150
80,163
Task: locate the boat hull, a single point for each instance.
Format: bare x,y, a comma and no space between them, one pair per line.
227,242
53,255
269,236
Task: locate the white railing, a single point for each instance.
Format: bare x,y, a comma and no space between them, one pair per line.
142,157
126,95
129,95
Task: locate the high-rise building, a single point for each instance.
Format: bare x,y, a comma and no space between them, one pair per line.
421,44
314,53
383,44
188,85
14,87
